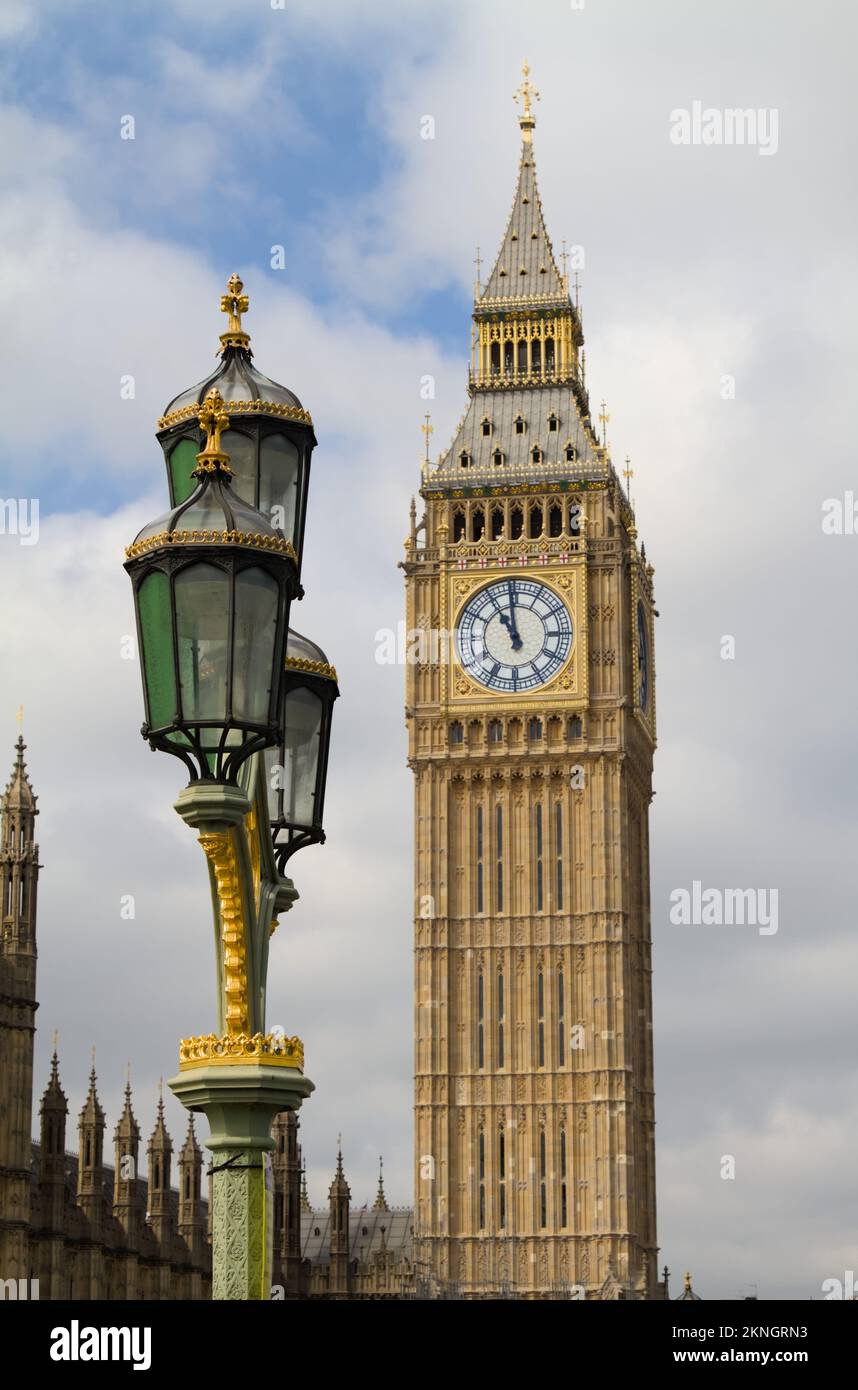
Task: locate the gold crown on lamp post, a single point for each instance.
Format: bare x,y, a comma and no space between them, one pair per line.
214,419
272,1049
234,303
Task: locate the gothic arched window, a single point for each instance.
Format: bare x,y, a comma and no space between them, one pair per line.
478,524
538,838
516,524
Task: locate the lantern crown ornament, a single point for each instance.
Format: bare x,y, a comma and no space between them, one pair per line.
268,433
213,583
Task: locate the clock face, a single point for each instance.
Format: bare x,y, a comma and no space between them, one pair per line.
643,658
514,635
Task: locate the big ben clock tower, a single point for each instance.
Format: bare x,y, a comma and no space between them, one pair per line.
531,717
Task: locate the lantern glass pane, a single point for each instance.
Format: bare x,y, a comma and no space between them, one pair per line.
300,755
278,482
242,460
183,461
156,628
257,606
202,633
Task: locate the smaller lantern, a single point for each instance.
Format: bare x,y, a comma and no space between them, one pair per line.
297,768
213,584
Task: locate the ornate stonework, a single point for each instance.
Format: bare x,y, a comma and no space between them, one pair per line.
531,816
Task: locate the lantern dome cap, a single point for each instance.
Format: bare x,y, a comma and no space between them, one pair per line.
214,512
304,655
243,387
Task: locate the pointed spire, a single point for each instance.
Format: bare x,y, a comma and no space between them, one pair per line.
19,793
53,1096
305,1196
126,1126
525,268
380,1203
190,1148
160,1138
339,1187
92,1112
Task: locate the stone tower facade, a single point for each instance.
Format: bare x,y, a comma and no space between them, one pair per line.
19,879
531,718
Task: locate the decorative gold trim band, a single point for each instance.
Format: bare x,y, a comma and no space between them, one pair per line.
256,542
268,1049
282,412
236,340
314,668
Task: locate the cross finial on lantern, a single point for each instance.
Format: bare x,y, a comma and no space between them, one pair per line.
214,419
234,303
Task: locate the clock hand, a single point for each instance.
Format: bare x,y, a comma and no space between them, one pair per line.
515,636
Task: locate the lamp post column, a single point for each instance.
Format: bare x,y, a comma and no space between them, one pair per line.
241,1076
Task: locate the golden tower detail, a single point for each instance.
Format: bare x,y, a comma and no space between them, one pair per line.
531,716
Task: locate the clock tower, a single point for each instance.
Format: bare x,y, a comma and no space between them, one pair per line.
531,719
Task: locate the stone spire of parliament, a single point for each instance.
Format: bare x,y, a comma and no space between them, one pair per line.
531,739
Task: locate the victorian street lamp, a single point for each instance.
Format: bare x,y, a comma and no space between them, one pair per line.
246,705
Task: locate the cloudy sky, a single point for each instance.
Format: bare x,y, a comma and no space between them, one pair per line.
300,127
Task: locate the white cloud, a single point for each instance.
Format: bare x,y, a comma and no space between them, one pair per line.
694,269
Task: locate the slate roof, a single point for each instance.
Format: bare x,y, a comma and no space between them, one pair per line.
369,1233
534,404
525,265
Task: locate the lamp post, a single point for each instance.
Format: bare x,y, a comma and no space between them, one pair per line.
246,706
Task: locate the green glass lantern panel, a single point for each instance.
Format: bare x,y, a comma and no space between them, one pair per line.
302,727
257,606
242,460
156,630
278,482
202,636
183,461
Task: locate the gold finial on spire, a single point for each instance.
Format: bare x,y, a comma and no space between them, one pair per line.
20,716
526,91
234,303
427,430
628,474
604,417
56,1039
564,261
477,285
213,419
